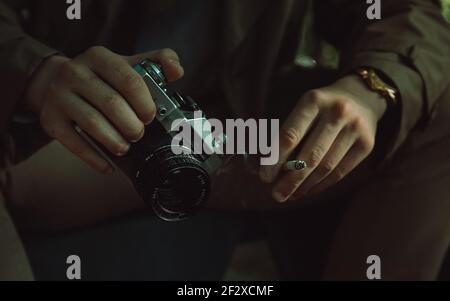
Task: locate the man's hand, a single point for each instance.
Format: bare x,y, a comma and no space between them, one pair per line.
333,129
101,93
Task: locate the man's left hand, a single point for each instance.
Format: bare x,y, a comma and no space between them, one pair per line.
333,129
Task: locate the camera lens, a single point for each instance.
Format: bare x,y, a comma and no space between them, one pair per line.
176,184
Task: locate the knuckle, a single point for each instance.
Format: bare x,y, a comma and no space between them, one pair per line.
341,109
91,77
96,51
366,144
358,125
326,167
90,122
315,96
306,114
70,71
132,83
289,137
113,102
316,157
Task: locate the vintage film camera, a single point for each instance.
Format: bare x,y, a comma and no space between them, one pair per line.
174,184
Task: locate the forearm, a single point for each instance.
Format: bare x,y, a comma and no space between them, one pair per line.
20,55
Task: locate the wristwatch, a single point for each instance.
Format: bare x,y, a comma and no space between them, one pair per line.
376,84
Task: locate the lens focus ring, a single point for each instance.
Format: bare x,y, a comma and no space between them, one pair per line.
176,183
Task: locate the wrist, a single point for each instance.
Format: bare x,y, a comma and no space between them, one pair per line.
362,93
40,80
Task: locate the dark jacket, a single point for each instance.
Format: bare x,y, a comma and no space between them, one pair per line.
410,46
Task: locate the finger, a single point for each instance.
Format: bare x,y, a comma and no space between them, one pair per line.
120,75
63,131
335,155
359,151
111,104
93,123
291,134
315,149
167,58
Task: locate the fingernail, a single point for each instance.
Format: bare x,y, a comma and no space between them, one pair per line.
279,197
141,135
175,62
123,150
151,120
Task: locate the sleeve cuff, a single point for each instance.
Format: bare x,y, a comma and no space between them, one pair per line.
411,93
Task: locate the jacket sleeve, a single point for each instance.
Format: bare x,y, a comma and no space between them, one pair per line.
20,54
409,45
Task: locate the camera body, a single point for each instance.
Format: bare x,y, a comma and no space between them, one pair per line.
173,183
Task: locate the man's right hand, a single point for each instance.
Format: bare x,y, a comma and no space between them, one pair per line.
101,93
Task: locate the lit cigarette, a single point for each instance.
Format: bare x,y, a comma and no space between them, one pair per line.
295,165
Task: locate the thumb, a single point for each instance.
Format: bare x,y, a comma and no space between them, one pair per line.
167,58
